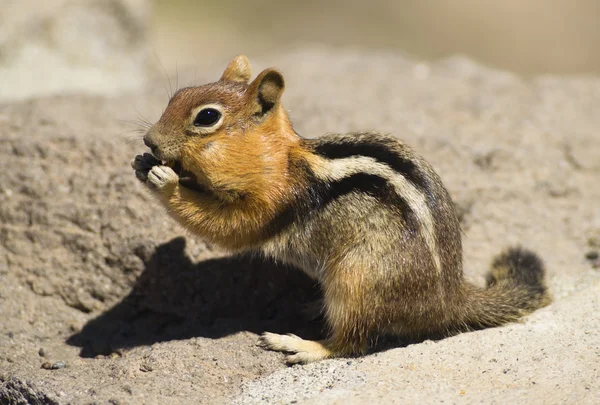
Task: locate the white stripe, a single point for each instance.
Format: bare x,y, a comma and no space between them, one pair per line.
340,168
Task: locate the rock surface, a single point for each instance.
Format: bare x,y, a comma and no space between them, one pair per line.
104,299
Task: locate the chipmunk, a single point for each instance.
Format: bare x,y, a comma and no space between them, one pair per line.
360,213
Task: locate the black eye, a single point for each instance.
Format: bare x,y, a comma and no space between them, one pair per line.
207,117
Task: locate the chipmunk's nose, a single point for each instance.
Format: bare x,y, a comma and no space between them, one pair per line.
149,143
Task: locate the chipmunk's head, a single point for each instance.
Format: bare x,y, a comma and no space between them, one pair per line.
223,127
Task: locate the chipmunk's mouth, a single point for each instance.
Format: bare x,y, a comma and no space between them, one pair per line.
175,165
186,178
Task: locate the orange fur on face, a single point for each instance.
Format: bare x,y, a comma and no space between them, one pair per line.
249,162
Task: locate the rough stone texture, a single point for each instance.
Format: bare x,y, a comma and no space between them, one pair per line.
94,274
85,46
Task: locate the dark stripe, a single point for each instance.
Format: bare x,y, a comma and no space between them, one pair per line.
321,194
391,152
379,150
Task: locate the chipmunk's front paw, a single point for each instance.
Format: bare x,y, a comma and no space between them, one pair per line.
160,177
142,164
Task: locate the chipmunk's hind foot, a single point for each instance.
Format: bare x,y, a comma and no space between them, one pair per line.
302,351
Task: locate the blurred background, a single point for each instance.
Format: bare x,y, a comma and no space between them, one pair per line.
114,46
525,36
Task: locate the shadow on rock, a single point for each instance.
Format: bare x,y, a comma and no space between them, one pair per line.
175,298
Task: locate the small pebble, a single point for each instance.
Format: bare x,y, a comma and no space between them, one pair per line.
349,362
54,366
592,255
146,368
42,352
116,354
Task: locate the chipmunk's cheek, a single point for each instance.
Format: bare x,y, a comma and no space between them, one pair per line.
210,146
211,152
208,159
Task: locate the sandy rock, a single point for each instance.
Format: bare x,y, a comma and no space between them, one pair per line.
138,311
69,46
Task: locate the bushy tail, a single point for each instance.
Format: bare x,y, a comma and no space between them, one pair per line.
515,287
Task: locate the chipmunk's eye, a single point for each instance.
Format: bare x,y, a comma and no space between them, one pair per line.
207,117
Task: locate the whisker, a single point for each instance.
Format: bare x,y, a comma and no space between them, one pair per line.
141,124
132,138
169,93
176,77
143,118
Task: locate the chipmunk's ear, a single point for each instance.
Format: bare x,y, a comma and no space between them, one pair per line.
266,90
238,70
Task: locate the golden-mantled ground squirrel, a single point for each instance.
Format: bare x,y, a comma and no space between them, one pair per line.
360,213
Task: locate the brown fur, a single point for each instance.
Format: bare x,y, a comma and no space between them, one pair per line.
362,214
